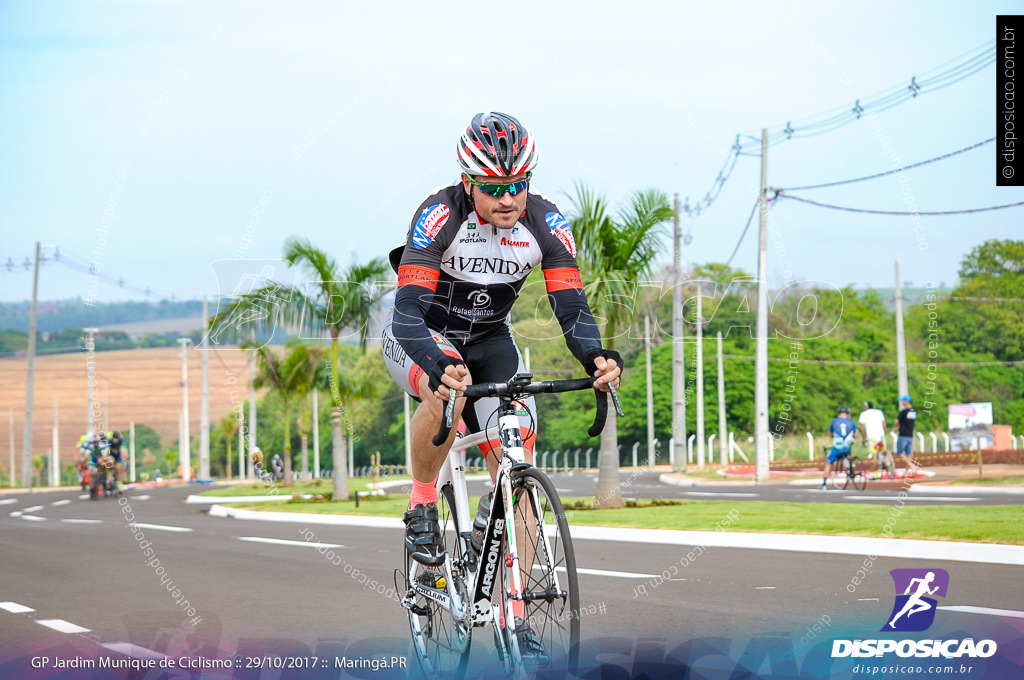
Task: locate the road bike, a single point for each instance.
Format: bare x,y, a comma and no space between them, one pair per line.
886,464
848,470
526,555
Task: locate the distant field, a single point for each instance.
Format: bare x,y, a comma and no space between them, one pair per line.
144,386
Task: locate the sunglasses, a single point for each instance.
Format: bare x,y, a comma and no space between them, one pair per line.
498,190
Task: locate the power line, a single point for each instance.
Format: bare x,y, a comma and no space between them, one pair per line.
964,66
932,213
745,228
892,172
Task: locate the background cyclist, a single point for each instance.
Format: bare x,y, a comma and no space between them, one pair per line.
468,251
843,431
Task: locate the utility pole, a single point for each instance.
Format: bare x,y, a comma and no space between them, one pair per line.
204,408
650,393
131,451
106,405
723,439
90,367
901,345
700,380
55,460
11,430
316,433
184,455
761,357
678,360
252,408
26,450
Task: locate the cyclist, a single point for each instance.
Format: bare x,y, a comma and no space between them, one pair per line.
116,443
468,251
872,427
843,431
905,434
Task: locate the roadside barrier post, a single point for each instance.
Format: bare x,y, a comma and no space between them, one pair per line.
810,446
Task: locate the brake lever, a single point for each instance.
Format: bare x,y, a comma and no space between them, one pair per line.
615,399
449,411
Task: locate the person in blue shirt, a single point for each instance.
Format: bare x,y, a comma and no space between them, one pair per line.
843,431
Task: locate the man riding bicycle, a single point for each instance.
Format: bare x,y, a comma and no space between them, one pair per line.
843,431
469,249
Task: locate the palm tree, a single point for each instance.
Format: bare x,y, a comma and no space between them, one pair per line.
290,378
228,428
316,370
331,300
613,256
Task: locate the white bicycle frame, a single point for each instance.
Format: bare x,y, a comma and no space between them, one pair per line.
454,471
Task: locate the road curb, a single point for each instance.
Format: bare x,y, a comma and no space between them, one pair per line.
873,548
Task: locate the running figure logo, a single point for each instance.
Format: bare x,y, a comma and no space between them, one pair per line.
914,611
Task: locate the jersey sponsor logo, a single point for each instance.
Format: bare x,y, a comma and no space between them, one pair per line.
430,222
392,350
514,244
487,265
559,226
480,298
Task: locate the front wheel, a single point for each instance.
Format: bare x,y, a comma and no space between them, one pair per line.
549,604
441,641
856,473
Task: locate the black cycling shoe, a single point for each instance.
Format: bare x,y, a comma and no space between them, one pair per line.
530,648
423,535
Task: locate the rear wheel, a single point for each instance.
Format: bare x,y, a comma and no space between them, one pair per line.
858,477
837,478
440,641
888,466
550,598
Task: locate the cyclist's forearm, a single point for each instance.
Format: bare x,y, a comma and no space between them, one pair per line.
409,326
577,321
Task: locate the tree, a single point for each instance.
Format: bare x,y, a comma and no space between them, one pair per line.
290,378
330,300
614,256
227,429
316,371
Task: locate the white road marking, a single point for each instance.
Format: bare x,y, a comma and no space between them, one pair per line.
737,494
84,497
63,502
281,541
764,587
16,513
160,527
83,521
33,518
8,501
867,599
565,491
143,497
602,572
15,608
985,610
850,497
34,508
61,626
134,651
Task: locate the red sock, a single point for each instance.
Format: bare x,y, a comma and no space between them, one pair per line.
423,493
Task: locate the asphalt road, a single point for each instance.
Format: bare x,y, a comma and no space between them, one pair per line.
73,560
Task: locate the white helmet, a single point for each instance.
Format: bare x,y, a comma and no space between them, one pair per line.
496,145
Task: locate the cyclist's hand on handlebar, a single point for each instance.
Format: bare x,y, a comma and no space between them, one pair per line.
455,377
607,371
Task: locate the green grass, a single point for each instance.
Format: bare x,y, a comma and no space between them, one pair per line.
323,486
990,524
989,480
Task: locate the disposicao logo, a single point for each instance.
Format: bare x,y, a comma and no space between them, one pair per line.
914,611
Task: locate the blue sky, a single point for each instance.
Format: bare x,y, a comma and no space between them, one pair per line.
341,117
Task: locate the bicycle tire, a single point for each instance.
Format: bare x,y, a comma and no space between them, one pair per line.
857,476
553,605
890,467
440,642
837,476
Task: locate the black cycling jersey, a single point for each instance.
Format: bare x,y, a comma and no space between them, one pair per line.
460,276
